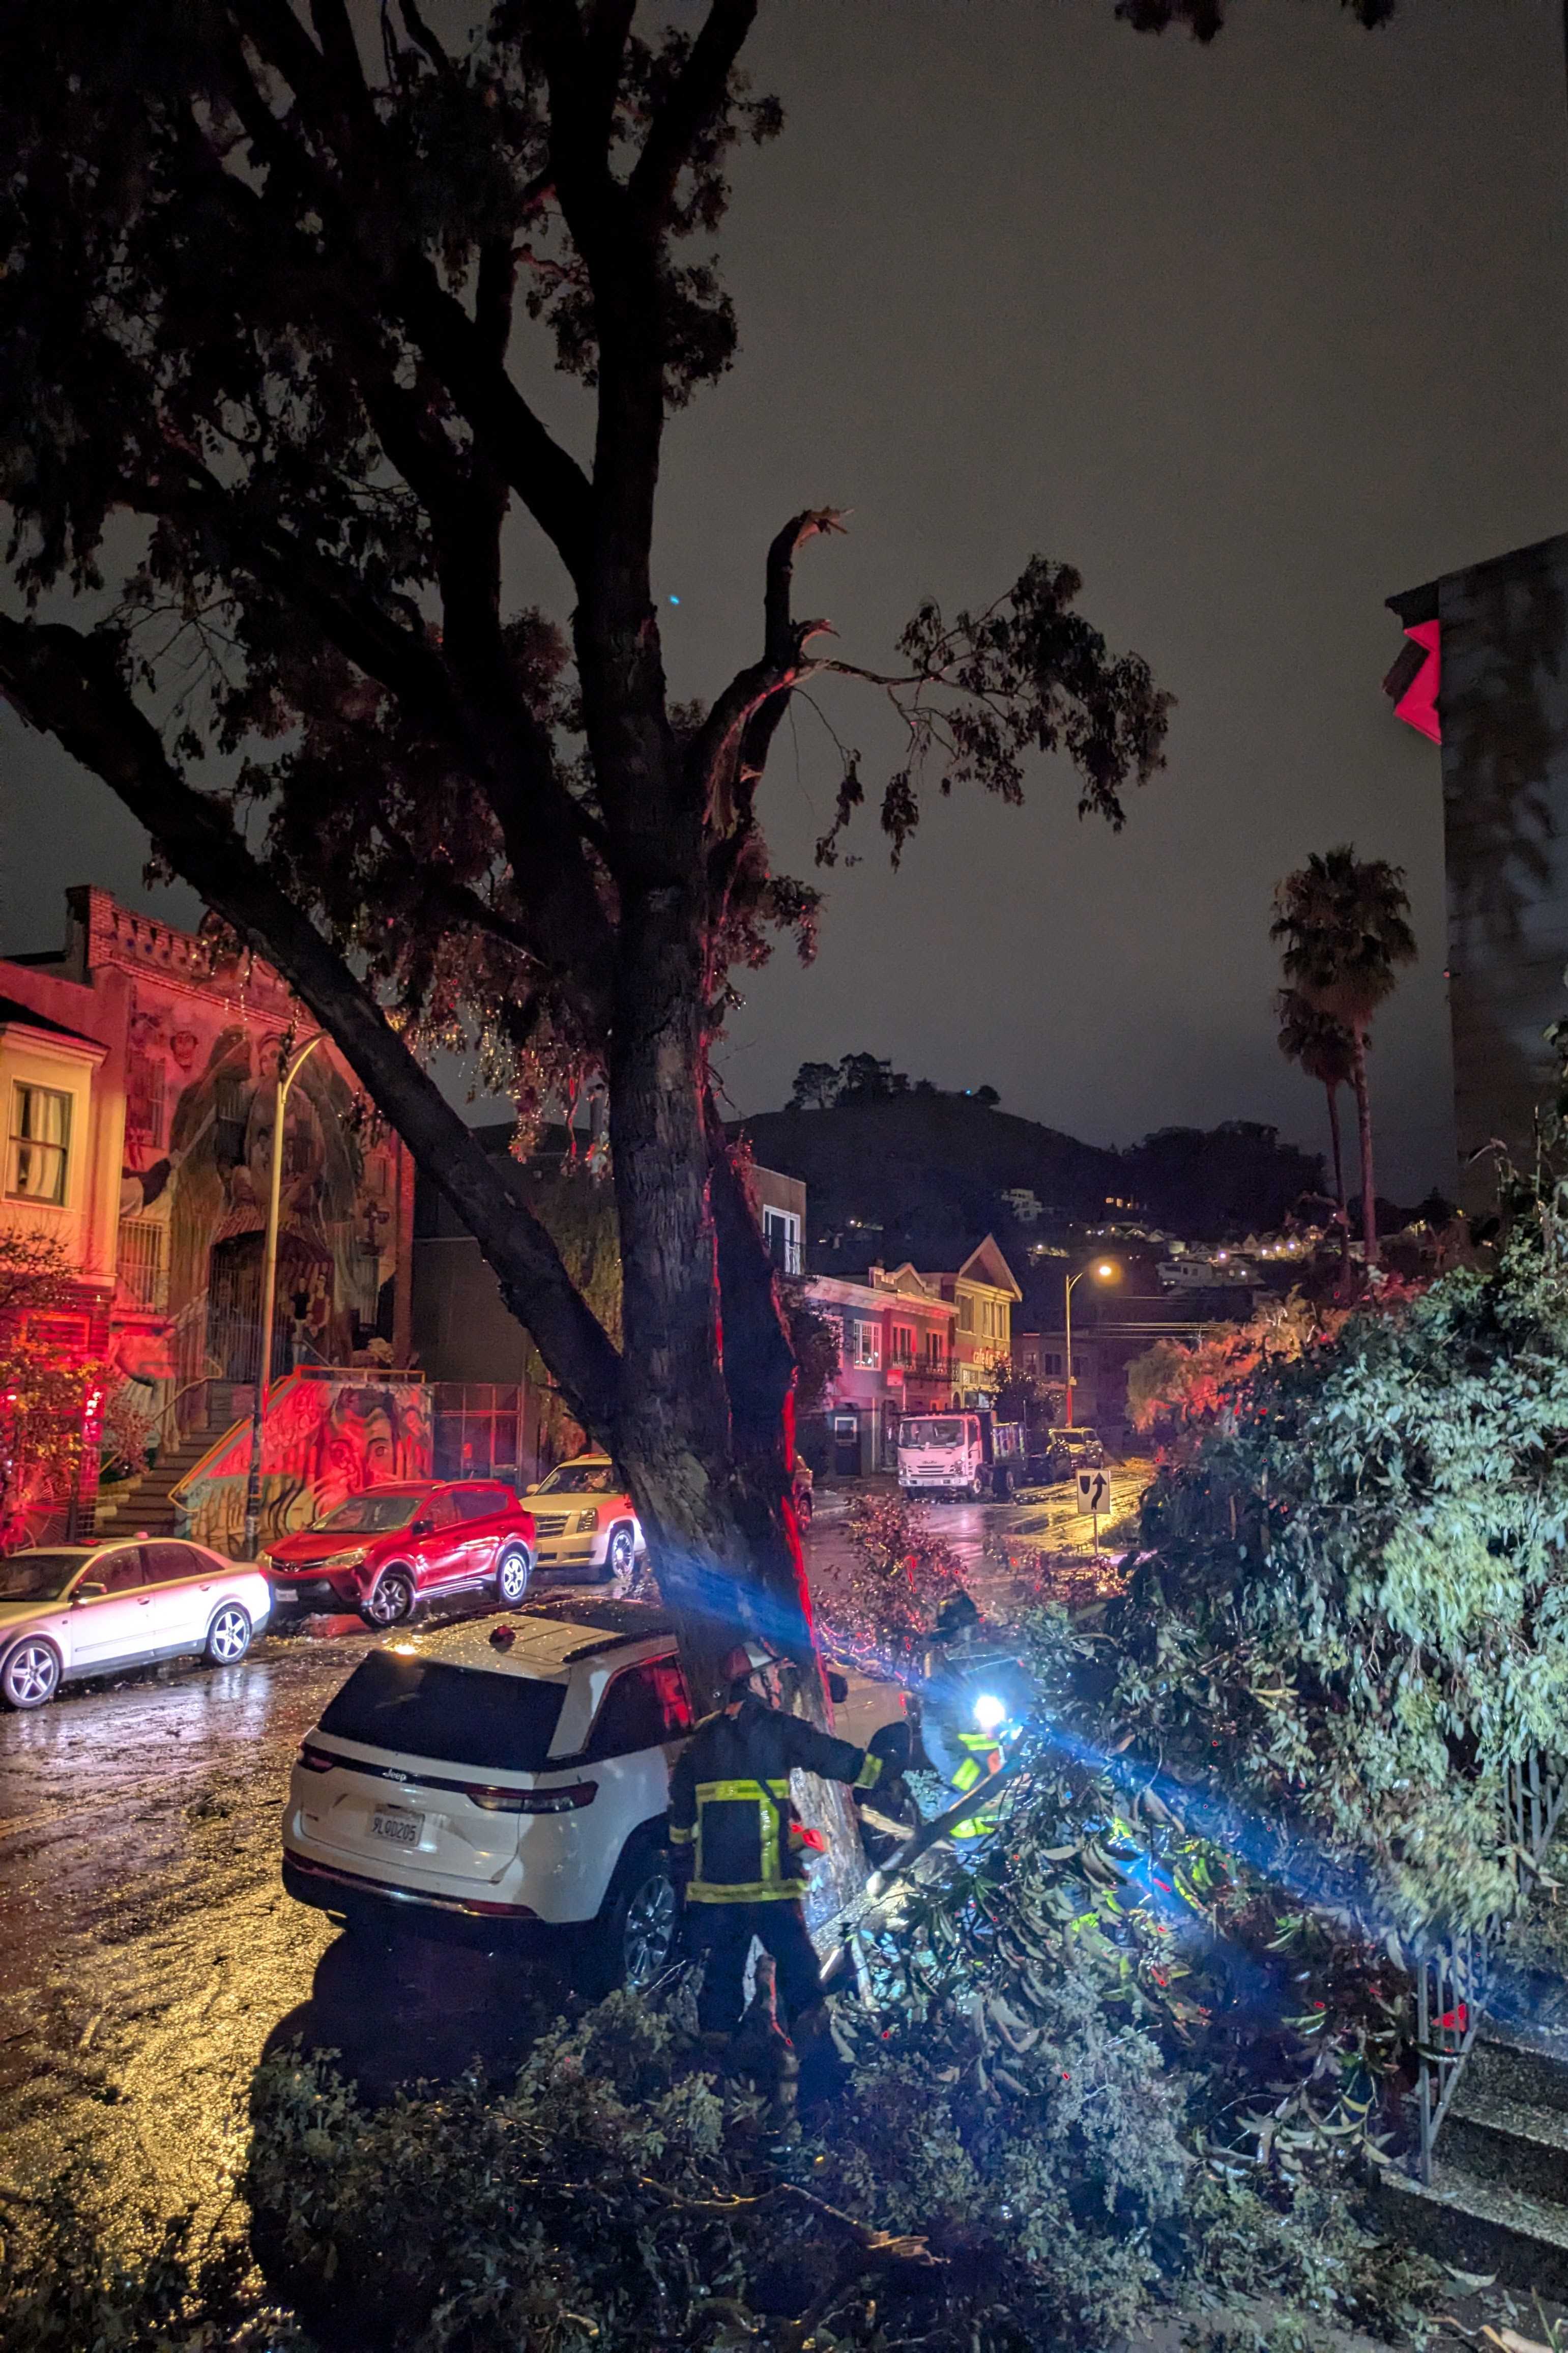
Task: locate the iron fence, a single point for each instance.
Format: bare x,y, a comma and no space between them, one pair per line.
1454,1975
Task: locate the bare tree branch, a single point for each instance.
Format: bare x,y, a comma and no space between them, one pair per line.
713,755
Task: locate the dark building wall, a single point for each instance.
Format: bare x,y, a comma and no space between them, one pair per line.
1503,703
463,1330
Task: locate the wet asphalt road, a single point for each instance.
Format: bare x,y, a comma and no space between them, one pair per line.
149,1955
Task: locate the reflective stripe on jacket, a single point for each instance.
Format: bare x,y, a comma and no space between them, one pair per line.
730,1805
982,1758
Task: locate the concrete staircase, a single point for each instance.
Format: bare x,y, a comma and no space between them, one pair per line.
1498,2199
142,1505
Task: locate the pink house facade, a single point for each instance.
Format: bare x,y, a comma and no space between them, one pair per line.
896,1340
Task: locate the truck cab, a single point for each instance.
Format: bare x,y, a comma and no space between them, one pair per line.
962,1453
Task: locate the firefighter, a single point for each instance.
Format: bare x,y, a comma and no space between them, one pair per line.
961,1708
738,1846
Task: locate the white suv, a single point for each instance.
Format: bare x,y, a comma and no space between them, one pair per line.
507,1781
91,1609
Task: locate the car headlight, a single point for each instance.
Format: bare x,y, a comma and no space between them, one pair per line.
346,1559
587,1522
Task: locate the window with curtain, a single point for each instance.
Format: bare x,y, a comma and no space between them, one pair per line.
40,1143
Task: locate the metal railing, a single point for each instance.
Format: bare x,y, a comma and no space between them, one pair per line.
1454,1977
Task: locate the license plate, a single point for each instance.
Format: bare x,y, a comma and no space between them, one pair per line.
398,1830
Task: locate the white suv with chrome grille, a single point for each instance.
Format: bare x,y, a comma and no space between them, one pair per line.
500,1782
583,1520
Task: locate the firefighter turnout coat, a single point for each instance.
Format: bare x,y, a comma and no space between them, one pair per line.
731,1823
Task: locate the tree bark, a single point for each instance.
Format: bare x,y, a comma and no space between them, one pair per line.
1363,1126
1334,1095
704,1430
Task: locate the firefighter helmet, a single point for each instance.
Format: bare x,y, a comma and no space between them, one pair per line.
746,1659
956,1612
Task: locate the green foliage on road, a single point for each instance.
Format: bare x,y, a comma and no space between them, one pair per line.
1063,2110
1351,1612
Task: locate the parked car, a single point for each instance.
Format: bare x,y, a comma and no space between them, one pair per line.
583,1519
72,1611
391,1547
500,1783
1056,1454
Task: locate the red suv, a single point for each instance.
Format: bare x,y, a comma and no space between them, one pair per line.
382,1551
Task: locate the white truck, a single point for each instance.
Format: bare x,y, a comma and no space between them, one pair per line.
965,1452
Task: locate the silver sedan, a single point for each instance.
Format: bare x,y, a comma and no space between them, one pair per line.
70,1611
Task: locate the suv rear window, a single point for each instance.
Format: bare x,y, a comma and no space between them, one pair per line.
461,1716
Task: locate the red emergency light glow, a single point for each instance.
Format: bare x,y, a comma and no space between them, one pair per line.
1417,706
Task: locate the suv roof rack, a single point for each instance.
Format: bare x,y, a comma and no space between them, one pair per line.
614,1642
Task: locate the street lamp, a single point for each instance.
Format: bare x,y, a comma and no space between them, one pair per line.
1104,1270
288,1069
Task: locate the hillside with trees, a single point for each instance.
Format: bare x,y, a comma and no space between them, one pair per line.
916,1175
897,1170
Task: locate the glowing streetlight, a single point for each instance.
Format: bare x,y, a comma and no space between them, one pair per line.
288,1069
1104,1270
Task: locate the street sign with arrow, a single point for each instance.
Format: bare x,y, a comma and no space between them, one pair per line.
1094,1492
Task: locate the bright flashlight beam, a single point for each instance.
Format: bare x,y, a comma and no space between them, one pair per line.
990,1712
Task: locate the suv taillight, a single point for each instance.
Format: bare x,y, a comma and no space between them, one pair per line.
318,1760
534,1801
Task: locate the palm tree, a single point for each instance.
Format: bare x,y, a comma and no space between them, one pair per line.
1342,920
1324,1047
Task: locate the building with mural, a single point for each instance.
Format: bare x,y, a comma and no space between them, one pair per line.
137,1079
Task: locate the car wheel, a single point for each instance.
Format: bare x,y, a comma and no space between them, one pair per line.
392,1599
620,1555
512,1572
632,1942
31,1675
228,1636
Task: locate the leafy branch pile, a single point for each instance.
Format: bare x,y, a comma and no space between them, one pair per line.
882,1606
1351,1612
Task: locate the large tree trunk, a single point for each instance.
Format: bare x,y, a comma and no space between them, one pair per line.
702,1431
1363,1127
1334,1095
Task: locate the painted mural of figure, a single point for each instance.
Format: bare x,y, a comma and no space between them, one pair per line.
144,1089
205,1135
318,1198
207,1182
367,1437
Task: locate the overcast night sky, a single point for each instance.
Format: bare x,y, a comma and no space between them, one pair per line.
1253,336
